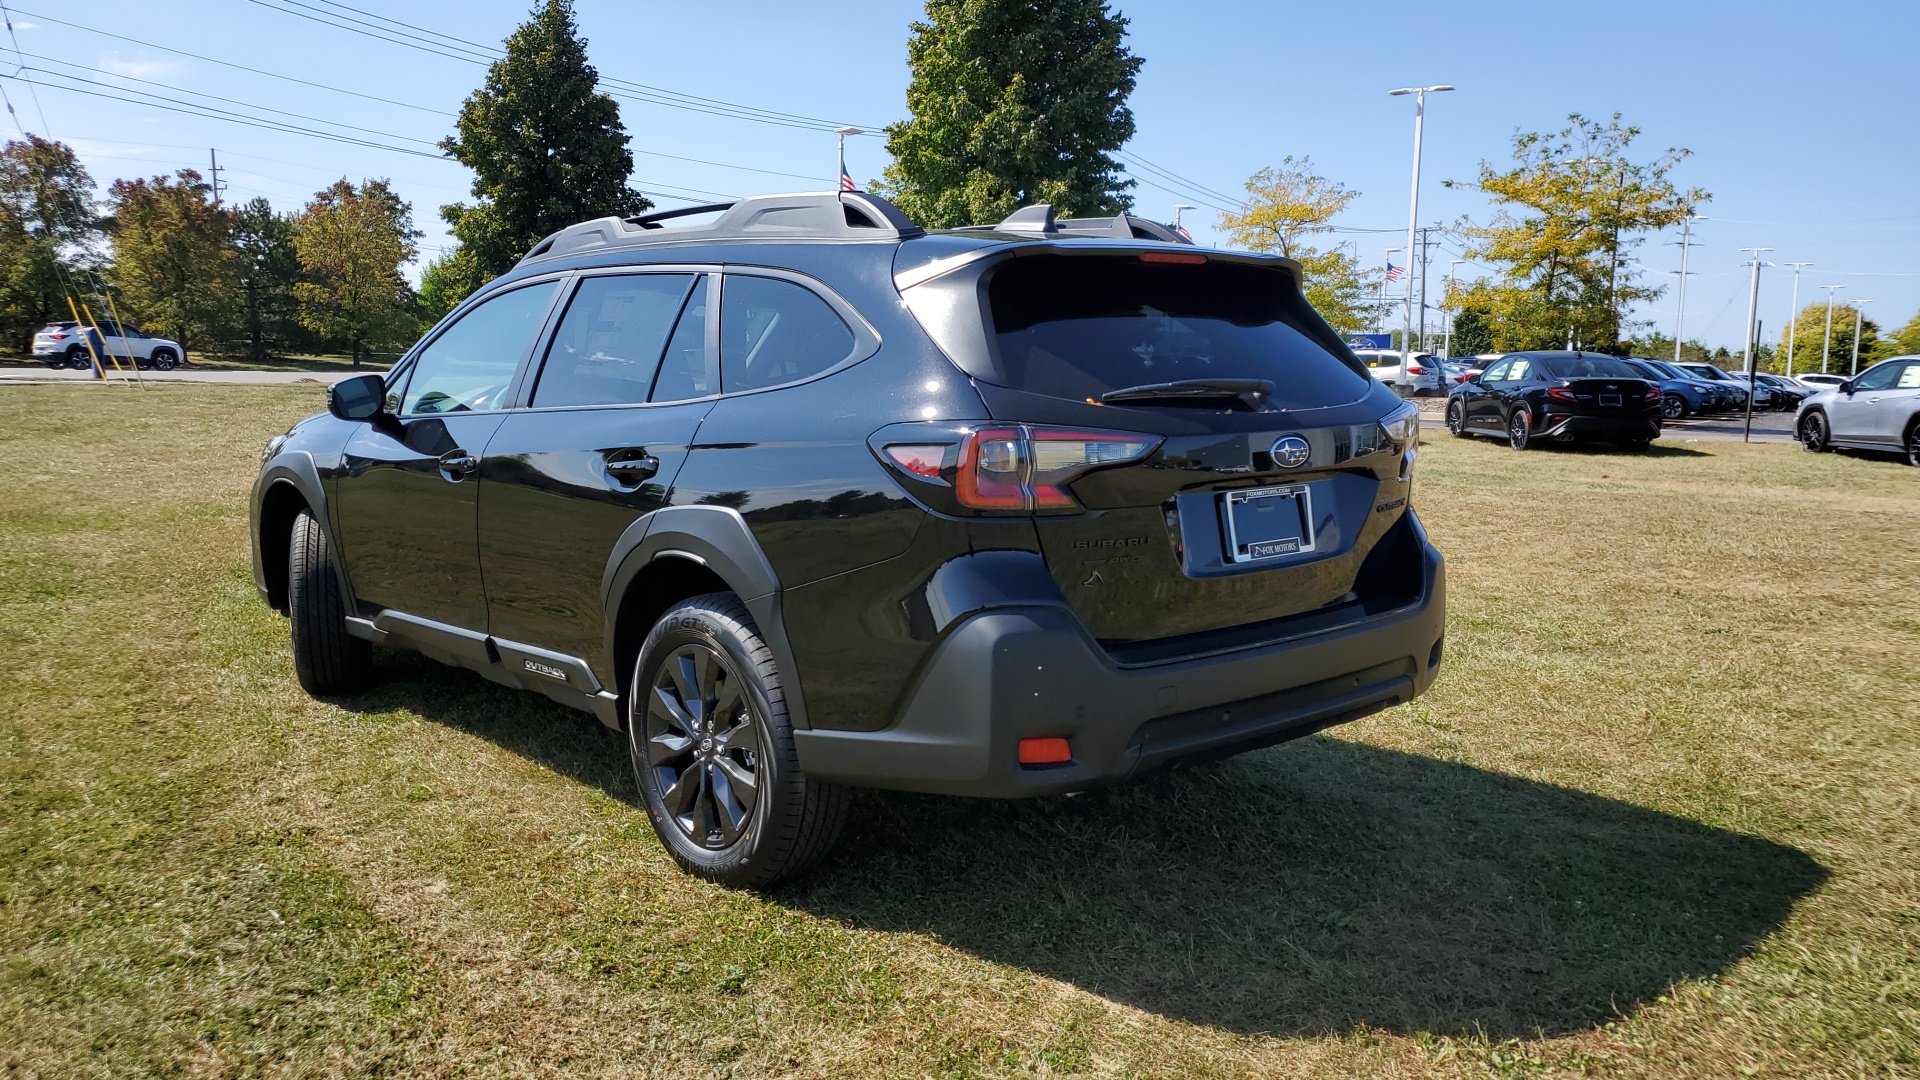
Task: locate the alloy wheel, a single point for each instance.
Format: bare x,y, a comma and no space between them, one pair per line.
1813,432
1673,407
1913,446
703,746
1456,418
1519,430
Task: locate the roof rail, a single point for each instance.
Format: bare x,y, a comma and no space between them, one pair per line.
1038,220
813,215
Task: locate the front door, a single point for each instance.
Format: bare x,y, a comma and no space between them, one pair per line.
1479,408
405,503
605,430
1853,414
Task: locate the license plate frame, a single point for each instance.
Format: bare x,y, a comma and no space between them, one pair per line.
1612,400
1254,539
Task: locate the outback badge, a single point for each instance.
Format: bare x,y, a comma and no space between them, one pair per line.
1289,451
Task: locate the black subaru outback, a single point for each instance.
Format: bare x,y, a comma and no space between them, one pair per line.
807,498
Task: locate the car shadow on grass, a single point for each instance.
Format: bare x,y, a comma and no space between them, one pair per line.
1308,889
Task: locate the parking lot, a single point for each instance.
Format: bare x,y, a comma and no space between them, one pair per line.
1655,815
1768,426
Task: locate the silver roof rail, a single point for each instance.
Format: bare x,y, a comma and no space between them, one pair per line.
1039,220
811,215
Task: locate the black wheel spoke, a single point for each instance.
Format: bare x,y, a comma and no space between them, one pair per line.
666,746
666,706
729,810
741,736
738,776
702,745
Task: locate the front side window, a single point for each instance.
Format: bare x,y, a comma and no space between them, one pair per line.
774,332
1880,378
469,366
609,344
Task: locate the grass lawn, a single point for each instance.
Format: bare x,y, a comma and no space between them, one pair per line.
1659,817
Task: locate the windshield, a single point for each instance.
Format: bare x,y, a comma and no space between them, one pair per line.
1080,326
1588,367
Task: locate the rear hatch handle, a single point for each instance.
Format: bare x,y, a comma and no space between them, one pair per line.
1251,393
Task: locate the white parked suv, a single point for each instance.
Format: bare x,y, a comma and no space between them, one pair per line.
1418,374
64,344
1819,380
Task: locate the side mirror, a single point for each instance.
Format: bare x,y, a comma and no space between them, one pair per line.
1846,387
358,398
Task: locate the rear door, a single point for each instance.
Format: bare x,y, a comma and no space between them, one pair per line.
1888,410
620,391
1854,416
1162,518
404,507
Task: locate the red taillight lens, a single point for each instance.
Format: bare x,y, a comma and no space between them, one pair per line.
1175,257
1020,469
1416,369
57,336
1045,752
1561,393
920,460
1652,395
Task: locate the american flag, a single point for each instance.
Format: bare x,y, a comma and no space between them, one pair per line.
846,182
1394,273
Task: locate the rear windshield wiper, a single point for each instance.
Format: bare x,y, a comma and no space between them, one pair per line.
1252,393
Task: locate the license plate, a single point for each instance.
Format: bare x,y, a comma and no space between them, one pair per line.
1267,523
1609,399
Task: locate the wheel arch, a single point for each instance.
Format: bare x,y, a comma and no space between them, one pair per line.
684,551
291,484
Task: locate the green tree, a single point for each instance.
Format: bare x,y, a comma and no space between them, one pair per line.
351,243
173,257
1013,102
1287,204
1572,207
47,230
1810,341
1471,334
266,269
546,147
1906,340
1658,346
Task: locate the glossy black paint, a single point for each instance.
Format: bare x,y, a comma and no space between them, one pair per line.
1491,402
543,555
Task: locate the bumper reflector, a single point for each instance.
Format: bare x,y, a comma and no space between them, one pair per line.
1044,752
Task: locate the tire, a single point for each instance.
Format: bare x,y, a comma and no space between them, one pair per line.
706,711
165,360
328,660
1673,407
1457,418
1814,433
78,359
1520,429
1913,443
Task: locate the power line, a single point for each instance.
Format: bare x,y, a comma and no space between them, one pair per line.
231,64
15,38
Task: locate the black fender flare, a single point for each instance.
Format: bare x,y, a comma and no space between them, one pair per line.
718,538
295,469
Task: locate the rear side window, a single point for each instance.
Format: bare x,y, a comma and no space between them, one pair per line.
1080,326
608,347
1589,367
774,332
684,371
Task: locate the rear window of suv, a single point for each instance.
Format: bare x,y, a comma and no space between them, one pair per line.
1080,326
1589,367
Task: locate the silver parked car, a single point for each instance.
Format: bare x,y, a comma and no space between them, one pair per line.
1878,410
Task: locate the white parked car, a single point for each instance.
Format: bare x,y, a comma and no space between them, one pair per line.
1820,380
1417,374
64,344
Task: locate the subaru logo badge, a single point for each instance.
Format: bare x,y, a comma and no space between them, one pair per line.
1289,451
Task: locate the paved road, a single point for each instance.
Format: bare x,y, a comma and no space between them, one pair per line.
23,374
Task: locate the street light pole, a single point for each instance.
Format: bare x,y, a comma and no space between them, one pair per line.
1680,316
841,179
1793,316
1177,207
1753,312
1413,211
1447,343
1826,344
1859,328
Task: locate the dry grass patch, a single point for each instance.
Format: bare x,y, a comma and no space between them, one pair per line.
1658,818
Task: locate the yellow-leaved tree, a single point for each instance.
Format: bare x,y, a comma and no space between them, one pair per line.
1289,203
351,243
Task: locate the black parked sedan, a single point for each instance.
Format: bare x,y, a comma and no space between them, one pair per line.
1563,396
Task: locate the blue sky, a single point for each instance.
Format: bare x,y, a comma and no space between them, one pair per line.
1802,120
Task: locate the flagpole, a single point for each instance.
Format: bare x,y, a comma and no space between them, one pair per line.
840,177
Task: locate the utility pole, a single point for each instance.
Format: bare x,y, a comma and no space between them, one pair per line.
843,180
1793,316
1413,211
1680,316
1859,331
1826,345
213,174
1447,343
1425,257
1753,312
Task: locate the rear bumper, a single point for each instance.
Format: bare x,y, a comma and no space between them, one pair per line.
1644,426
1017,672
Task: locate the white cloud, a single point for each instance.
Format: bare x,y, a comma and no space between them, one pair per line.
26,26
138,69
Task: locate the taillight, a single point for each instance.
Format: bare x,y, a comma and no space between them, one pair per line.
57,336
1416,369
1021,468
1652,396
1561,393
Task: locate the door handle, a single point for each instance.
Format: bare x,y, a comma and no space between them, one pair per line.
631,467
457,465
